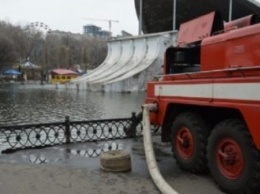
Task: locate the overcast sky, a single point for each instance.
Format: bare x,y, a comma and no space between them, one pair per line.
69,15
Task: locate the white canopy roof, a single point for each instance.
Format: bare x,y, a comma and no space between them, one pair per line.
28,64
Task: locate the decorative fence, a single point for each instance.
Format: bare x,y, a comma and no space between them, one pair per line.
42,135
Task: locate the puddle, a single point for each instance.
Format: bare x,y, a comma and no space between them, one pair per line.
95,152
38,159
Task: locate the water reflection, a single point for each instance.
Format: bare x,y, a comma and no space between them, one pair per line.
95,152
40,104
84,152
38,159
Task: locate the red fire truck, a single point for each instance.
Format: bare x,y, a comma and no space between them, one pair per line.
208,100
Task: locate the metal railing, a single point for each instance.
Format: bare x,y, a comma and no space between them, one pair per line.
14,138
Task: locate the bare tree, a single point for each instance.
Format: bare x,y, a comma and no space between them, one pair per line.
8,53
60,49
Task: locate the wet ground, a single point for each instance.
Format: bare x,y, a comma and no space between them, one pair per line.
75,168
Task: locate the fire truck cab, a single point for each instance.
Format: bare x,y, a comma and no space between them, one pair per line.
208,100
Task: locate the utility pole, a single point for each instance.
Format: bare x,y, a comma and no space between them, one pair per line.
230,10
174,15
140,17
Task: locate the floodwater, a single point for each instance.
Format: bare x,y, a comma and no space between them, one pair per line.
31,104
26,104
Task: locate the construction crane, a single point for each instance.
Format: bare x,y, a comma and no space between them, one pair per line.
103,20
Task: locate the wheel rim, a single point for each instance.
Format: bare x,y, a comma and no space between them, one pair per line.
230,159
184,143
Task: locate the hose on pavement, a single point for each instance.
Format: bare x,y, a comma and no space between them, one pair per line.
162,185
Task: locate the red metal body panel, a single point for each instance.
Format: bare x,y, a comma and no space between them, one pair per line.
196,29
235,48
213,48
243,47
239,23
223,73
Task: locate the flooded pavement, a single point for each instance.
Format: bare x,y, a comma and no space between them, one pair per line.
75,168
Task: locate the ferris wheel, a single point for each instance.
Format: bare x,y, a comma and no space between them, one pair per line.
39,26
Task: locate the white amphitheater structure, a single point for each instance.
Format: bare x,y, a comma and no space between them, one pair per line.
129,64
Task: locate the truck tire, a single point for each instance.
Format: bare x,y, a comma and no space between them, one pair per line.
234,161
189,137
115,161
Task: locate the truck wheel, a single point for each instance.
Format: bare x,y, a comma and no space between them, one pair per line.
233,159
189,142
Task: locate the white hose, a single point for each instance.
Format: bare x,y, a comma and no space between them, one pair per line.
162,185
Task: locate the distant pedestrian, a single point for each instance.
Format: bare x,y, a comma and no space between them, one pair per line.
25,77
